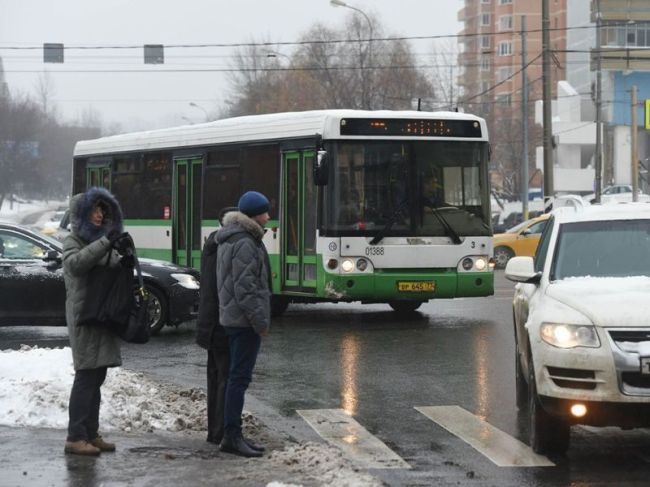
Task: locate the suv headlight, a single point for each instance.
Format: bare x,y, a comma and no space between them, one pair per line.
562,335
187,281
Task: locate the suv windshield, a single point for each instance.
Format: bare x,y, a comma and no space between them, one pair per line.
612,248
413,188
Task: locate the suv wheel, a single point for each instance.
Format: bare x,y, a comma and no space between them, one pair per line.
547,434
521,386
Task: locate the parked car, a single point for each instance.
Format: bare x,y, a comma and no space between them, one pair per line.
33,292
519,240
582,323
617,193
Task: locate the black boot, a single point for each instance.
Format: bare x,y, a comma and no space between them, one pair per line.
253,445
238,446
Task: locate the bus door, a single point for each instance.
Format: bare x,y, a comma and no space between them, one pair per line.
298,222
187,212
99,175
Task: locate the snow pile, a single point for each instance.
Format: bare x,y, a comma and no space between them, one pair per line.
35,389
323,463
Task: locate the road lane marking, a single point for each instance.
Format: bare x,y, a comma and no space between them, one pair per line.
341,430
501,448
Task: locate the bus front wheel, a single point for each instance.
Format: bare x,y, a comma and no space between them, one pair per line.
279,305
404,306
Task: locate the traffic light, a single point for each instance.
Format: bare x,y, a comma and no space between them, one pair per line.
154,54
52,52
647,114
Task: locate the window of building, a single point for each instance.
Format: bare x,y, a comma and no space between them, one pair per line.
504,99
485,19
505,2
504,73
485,42
505,22
485,63
628,35
505,48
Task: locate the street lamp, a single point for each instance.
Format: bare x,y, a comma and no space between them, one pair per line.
340,3
205,112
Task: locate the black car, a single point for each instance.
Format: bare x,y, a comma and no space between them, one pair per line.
32,291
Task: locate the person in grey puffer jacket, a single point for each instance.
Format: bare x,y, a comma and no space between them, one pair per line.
96,229
243,284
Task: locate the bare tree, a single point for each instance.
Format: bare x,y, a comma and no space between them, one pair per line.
20,121
330,69
444,56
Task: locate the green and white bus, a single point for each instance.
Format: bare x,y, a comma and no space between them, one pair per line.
372,206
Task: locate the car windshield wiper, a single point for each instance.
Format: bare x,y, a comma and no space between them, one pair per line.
389,224
445,224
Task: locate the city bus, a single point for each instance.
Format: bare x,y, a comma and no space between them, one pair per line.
369,206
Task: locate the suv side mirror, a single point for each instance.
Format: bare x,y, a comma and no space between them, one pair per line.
321,169
522,269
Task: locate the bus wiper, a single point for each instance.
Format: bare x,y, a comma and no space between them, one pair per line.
445,224
389,224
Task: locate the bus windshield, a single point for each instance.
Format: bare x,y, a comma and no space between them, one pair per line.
407,188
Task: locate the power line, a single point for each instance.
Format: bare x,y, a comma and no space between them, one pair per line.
307,42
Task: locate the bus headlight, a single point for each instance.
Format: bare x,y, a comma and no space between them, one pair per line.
476,263
362,264
347,265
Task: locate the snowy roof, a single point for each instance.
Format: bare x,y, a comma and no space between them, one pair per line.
255,127
611,211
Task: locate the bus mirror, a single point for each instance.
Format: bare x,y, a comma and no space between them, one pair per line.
321,169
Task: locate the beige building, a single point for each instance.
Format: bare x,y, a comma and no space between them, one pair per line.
490,80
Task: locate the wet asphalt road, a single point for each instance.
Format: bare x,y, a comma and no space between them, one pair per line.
378,366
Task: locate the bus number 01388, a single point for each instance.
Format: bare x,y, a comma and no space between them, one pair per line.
374,250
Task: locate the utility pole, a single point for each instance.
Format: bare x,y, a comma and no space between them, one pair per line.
546,95
598,156
635,147
524,121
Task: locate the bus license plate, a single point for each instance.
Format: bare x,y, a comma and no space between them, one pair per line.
416,286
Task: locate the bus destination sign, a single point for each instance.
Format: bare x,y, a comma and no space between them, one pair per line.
410,127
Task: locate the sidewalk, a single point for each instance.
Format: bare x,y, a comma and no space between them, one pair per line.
34,457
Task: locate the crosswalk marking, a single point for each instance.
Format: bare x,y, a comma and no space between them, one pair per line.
340,429
501,448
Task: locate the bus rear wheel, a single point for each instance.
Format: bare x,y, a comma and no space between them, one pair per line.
405,306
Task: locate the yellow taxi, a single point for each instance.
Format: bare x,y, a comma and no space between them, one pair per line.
520,240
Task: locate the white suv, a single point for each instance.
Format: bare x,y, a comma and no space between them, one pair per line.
582,323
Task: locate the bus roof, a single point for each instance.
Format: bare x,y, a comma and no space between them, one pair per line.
276,126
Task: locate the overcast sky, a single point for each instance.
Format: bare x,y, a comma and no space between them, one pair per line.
148,98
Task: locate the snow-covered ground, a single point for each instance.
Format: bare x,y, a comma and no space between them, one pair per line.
34,393
16,212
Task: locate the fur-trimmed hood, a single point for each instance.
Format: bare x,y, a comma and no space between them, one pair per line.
81,206
236,222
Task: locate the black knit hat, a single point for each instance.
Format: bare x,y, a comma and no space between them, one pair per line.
253,203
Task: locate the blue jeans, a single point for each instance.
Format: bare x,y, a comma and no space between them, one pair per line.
244,346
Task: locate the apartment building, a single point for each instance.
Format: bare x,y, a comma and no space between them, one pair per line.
490,77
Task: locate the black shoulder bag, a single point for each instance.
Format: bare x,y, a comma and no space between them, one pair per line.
112,302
